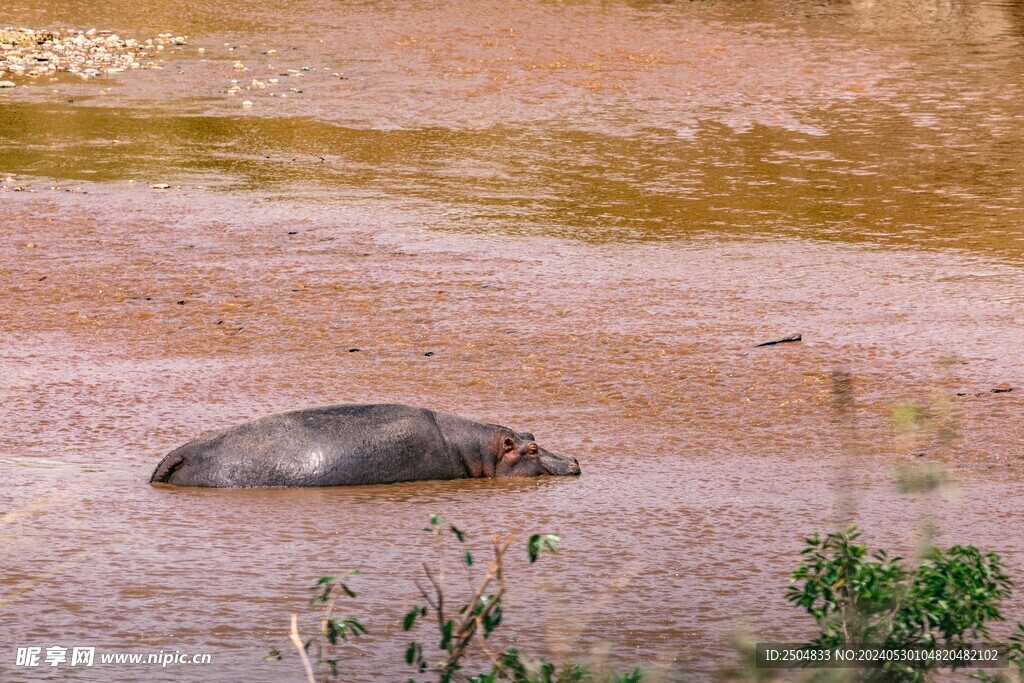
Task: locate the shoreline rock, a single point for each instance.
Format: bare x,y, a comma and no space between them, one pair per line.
28,53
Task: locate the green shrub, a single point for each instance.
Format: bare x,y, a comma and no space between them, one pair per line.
862,597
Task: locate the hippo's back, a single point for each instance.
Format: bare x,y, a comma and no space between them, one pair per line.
327,446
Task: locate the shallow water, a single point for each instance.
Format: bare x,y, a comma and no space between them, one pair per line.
588,213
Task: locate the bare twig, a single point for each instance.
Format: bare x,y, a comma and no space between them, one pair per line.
438,592
482,642
566,639
440,575
426,596
293,635
471,622
324,629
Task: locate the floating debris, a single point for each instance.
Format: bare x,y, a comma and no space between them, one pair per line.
795,337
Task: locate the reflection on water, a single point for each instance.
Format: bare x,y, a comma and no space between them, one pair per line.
588,213
846,186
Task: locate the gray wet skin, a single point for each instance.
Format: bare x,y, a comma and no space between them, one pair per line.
348,445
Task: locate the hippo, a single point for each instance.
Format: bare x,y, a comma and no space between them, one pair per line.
349,445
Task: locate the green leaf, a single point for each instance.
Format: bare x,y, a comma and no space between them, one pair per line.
459,534
469,559
492,616
541,542
413,653
446,634
335,629
410,617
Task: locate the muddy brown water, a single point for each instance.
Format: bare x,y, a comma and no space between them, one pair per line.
587,213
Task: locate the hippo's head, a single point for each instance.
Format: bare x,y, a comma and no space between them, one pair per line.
520,456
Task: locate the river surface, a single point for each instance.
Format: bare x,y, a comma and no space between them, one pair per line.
570,218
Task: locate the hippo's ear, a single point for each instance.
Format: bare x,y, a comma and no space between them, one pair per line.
509,454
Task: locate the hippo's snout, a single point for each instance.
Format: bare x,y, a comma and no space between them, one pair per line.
559,465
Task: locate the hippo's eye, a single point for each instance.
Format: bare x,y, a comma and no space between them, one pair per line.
532,448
